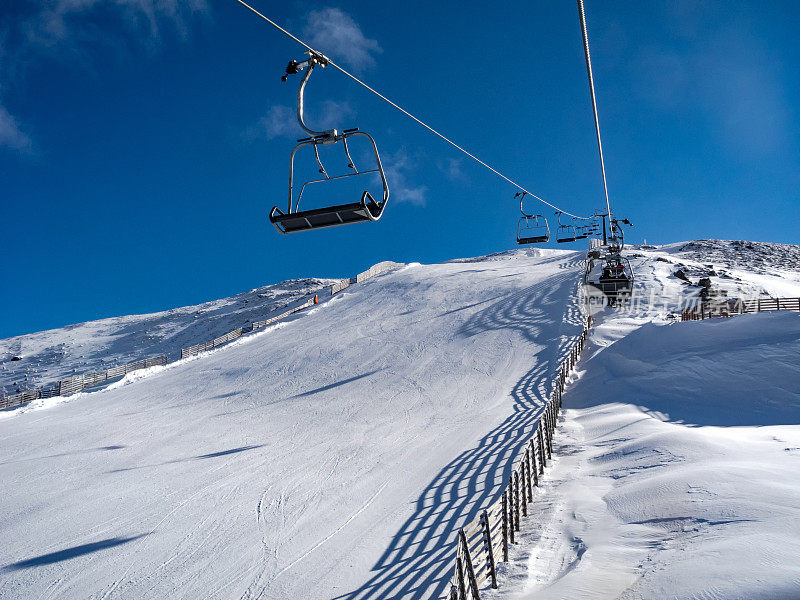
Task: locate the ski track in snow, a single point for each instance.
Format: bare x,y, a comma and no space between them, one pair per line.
336,458
320,450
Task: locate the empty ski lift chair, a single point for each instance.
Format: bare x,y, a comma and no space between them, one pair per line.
366,209
565,233
531,229
581,232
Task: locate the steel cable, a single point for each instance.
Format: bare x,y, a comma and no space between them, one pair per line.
408,114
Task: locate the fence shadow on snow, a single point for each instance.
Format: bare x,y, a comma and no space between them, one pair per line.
418,562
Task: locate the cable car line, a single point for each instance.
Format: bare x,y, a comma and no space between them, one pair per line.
330,62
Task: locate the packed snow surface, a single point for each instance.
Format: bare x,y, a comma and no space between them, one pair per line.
49,356
677,473
335,456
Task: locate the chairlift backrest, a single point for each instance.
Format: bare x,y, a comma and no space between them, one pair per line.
565,233
531,229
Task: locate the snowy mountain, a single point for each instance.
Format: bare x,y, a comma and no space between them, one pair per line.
336,455
53,355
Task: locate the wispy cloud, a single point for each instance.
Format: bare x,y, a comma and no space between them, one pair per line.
399,168
70,30
11,136
281,121
335,33
63,21
453,168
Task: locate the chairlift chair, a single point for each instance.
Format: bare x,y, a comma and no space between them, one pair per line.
531,229
565,233
615,279
366,209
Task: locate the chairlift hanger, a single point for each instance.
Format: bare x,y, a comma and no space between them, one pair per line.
565,233
367,209
530,229
618,235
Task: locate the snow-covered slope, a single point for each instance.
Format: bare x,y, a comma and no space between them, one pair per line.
332,456
335,456
50,356
678,468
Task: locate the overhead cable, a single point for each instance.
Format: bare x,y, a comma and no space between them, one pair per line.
408,114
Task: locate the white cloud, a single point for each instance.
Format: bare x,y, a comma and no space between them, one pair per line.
398,168
67,21
11,136
335,34
453,169
281,121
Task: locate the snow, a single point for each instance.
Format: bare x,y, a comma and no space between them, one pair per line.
336,454
325,458
50,356
676,473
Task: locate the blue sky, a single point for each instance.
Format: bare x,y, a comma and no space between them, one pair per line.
142,143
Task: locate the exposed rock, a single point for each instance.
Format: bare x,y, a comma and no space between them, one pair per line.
681,275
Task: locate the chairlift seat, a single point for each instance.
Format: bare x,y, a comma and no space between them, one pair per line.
538,239
367,209
562,240
531,231
330,216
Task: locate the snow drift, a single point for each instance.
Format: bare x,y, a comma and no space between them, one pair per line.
335,456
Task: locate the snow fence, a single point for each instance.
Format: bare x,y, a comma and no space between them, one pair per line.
484,542
80,382
730,308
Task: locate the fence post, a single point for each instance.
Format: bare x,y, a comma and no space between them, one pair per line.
547,441
460,568
535,467
542,457
528,466
516,500
473,583
489,550
510,491
524,495
505,528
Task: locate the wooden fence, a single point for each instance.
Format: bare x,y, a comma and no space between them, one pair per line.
729,308
340,285
484,542
71,385
80,382
283,315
